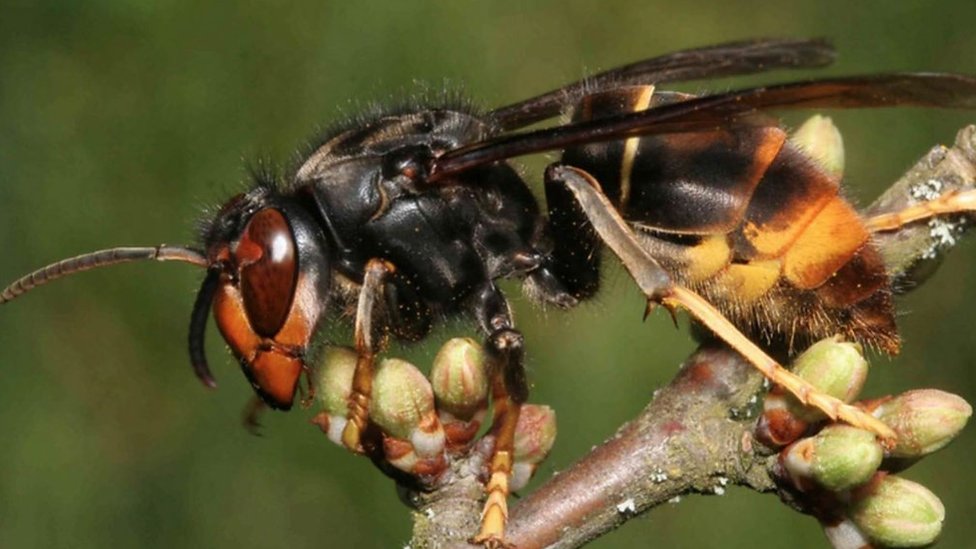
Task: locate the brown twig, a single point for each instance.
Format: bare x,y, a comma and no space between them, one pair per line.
695,436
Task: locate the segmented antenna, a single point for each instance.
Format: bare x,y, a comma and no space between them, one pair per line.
101,258
198,326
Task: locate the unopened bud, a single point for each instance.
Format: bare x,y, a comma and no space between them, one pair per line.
459,378
333,384
894,512
820,138
925,420
838,458
834,367
403,406
535,434
333,379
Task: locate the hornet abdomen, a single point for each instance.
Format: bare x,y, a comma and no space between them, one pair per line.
744,217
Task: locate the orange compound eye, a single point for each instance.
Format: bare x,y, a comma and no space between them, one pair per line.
268,269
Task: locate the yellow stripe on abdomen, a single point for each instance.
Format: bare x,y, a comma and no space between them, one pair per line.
630,147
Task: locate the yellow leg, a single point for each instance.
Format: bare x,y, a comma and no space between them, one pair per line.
369,335
950,202
495,513
800,388
508,393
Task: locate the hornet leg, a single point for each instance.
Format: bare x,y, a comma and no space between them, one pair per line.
370,332
509,391
950,202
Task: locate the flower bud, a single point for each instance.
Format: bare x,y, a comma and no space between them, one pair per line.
820,138
838,458
834,367
403,406
535,434
333,383
459,378
333,379
894,512
925,420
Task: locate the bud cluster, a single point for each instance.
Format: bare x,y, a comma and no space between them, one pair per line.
836,472
842,474
425,423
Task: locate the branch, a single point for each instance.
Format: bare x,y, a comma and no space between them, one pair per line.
686,440
913,252
696,436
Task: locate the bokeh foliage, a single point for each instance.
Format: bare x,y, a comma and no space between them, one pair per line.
119,120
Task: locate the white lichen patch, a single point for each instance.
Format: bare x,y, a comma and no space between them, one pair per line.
943,233
927,190
719,488
747,410
627,507
658,476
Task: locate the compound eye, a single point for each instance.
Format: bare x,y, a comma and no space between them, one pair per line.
266,257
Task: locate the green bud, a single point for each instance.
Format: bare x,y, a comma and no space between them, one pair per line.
925,420
401,397
820,138
834,367
459,378
895,512
333,379
333,383
403,406
838,458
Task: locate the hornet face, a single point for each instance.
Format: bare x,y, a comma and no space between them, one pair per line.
268,284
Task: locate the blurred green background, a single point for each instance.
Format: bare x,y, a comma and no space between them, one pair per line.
119,120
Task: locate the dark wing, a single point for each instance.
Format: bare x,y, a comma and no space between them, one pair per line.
729,59
724,110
